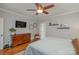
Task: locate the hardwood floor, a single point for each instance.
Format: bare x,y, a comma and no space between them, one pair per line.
12,51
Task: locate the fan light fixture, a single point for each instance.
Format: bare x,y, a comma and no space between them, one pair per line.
40,11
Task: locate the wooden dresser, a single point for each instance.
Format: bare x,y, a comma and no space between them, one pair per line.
19,43
19,39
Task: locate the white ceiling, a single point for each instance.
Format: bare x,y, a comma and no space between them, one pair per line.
57,10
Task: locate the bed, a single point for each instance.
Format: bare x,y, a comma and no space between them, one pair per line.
51,46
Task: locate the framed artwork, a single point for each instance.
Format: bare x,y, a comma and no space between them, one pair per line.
20,24
32,26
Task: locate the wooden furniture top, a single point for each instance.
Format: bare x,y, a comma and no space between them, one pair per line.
18,39
75,43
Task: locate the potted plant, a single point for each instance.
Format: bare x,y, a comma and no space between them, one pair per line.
12,30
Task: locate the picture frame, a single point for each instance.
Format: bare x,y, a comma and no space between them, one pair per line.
32,26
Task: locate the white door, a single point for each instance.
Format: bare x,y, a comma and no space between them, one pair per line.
1,33
42,31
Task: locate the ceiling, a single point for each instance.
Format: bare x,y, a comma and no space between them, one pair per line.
21,8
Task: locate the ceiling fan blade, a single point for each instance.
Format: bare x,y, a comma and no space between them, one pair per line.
45,12
31,9
39,6
48,6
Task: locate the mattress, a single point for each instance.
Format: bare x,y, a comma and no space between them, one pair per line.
51,46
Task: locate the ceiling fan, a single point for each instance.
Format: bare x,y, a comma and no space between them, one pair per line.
41,9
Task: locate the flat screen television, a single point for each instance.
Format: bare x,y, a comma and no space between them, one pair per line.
20,24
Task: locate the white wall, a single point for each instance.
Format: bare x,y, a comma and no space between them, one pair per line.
1,33
9,22
72,20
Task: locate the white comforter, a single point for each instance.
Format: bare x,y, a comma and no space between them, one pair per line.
51,46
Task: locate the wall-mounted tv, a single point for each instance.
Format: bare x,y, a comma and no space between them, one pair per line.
20,24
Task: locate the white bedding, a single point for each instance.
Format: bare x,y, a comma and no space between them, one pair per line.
51,46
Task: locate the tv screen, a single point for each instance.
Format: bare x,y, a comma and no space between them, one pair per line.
20,24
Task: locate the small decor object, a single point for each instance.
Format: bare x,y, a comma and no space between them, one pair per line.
50,24
12,30
59,26
53,24
37,36
6,46
63,26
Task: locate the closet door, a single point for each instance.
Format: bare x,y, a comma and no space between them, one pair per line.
1,33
